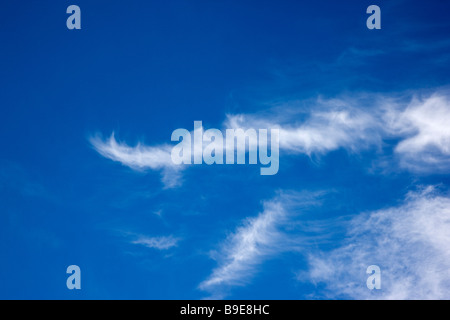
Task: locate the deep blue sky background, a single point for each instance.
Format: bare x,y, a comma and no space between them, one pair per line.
145,68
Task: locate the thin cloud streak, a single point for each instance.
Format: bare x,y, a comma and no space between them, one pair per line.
141,157
160,243
258,239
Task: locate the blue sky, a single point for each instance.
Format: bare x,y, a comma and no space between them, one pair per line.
364,150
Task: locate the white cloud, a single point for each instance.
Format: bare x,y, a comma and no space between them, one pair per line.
253,241
327,126
425,128
410,243
421,128
141,157
257,239
160,243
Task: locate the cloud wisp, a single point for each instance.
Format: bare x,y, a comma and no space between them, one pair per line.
160,243
256,240
141,157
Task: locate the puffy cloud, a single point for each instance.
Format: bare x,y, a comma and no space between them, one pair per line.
425,128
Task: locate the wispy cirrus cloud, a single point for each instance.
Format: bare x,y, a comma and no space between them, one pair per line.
410,243
419,125
256,240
